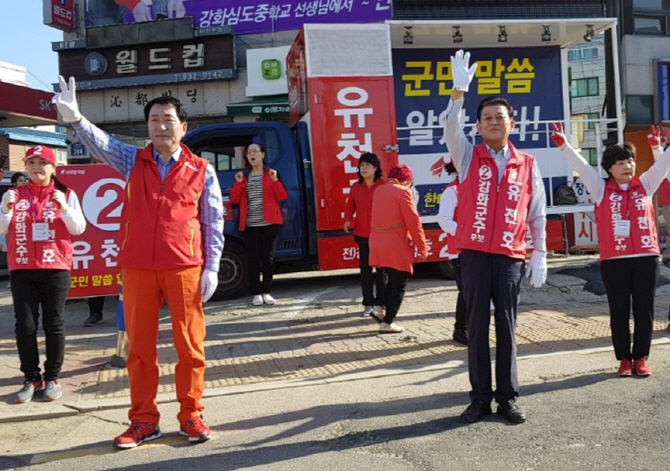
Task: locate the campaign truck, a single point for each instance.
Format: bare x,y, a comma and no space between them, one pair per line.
384,88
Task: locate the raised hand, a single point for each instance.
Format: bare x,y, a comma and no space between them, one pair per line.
239,176
66,101
8,199
273,174
658,137
557,136
59,197
461,72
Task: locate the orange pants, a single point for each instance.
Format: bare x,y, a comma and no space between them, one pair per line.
143,295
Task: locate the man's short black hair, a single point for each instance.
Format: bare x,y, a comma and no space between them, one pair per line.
166,100
615,153
495,101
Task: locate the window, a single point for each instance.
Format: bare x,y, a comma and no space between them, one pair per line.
649,24
225,150
591,155
584,87
661,5
583,54
591,123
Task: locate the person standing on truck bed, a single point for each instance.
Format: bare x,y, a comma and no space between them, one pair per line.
359,215
500,194
395,232
40,218
258,190
171,244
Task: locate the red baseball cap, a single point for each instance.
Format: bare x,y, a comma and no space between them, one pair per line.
41,151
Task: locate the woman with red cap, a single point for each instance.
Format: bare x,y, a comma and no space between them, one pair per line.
39,218
395,233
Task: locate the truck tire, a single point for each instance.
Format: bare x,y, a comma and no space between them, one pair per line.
233,276
444,270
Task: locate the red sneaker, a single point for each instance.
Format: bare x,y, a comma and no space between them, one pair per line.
196,430
137,433
626,367
642,368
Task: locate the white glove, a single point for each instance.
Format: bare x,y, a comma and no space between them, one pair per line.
537,268
59,197
209,281
451,227
66,101
462,74
8,200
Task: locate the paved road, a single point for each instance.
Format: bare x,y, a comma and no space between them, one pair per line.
305,354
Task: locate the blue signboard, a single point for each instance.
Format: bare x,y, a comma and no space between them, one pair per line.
529,78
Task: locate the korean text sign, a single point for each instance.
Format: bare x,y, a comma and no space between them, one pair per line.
530,79
100,190
254,16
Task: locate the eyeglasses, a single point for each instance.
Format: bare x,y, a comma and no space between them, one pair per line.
253,151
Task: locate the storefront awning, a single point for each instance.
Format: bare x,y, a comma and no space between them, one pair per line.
276,105
23,106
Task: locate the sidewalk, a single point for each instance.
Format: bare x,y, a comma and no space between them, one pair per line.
321,338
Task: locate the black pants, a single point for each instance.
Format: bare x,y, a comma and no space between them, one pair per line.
460,301
261,242
30,289
369,280
96,304
394,291
625,279
491,277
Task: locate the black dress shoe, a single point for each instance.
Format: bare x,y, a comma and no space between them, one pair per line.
475,411
511,412
461,336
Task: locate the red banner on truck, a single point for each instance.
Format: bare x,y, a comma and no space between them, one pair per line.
100,190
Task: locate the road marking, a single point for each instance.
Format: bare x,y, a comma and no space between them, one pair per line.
299,307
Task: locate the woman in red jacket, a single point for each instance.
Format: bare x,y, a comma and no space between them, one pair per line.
258,191
359,215
628,242
396,234
39,218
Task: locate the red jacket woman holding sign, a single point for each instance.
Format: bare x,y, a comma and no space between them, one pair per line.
39,218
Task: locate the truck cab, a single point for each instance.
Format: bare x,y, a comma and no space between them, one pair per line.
224,146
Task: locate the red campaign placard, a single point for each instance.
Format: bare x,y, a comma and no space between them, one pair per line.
100,190
342,252
349,116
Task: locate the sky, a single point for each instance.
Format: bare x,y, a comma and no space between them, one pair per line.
26,41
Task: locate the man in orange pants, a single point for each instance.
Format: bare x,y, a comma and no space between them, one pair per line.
171,244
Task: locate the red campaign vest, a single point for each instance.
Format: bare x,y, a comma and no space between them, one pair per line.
493,218
451,240
160,227
632,204
664,193
34,204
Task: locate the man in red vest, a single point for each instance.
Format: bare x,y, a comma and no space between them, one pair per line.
500,195
171,242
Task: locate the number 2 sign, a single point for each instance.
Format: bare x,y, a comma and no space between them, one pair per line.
100,191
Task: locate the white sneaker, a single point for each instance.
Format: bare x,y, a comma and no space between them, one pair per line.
377,314
392,328
368,310
258,300
268,299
